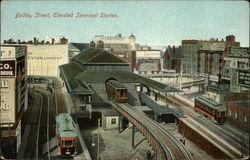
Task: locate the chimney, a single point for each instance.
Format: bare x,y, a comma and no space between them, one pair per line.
230,38
63,40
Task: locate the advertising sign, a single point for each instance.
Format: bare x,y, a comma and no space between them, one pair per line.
7,68
7,100
7,52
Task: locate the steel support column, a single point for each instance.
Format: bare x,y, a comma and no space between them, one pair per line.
156,116
133,137
119,123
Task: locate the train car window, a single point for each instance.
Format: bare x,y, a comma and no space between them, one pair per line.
68,142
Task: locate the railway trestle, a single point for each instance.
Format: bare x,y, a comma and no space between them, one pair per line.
165,146
153,142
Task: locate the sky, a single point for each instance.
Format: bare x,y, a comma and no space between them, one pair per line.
155,23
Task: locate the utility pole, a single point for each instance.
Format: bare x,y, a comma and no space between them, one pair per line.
98,141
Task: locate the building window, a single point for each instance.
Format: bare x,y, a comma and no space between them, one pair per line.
4,84
236,115
230,112
246,119
113,121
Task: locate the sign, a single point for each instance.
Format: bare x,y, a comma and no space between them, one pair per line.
7,68
7,100
214,78
7,52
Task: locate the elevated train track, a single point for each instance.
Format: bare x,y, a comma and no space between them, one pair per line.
166,146
238,143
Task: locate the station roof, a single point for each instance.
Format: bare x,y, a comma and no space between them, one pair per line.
75,86
107,113
123,77
98,56
211,103
77,78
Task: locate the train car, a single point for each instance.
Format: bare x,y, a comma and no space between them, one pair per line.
116,91
66,134
211,109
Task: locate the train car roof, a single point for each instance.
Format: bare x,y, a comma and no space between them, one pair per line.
211,103
65,125
116,84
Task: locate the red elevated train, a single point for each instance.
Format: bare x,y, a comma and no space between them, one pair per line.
66,134
116,91
211,109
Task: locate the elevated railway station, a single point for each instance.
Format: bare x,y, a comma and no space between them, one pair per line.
85,79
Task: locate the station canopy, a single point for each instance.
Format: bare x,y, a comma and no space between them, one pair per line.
77,79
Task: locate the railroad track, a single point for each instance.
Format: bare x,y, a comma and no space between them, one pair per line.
31,146
225,134
170,146
169,135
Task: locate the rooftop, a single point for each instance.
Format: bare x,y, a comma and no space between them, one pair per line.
110,113
75,86
80,46
98,56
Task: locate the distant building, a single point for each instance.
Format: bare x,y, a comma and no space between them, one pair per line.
211,58
148,61
236,69
189,49
44,60
238,113
202,57
76,48
13,97
172,59
55,39
117,44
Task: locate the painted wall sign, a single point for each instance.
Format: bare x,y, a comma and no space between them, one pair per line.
7,68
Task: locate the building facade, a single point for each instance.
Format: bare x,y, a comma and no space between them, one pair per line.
44,60
148,61
172,59
238,113
117,43
13,97
189,49
236,69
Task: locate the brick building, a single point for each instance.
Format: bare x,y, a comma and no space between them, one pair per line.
236,69
211,58
238,113
189,49
172,59
13,97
